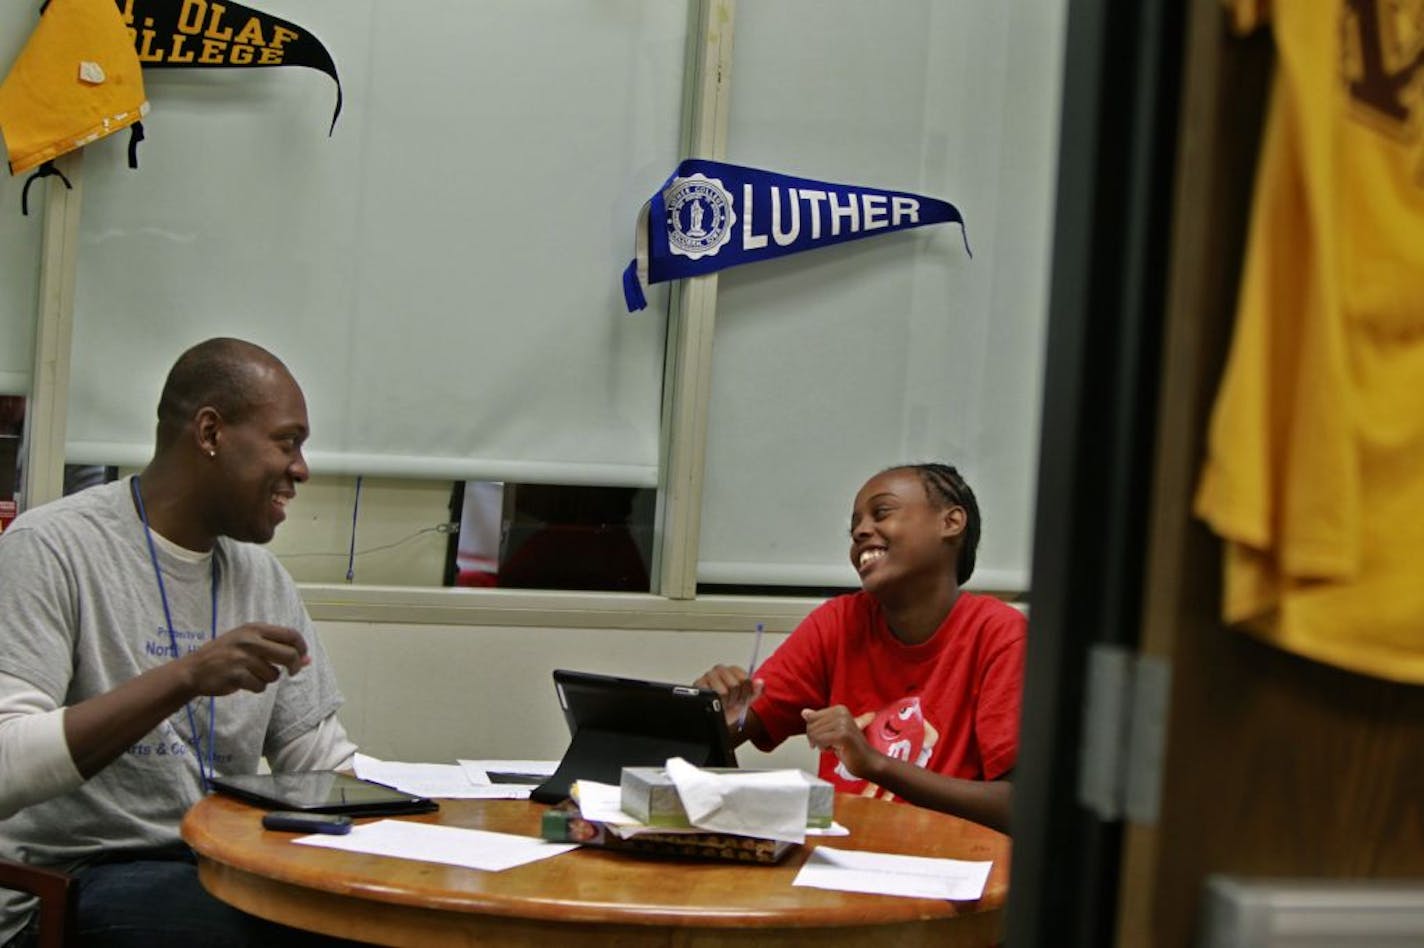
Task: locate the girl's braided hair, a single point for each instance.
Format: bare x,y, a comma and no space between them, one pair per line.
946,488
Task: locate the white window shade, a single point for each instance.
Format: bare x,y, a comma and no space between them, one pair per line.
833,364
19,286
442,274
19,236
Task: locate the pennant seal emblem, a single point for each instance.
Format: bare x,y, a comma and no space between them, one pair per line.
700,216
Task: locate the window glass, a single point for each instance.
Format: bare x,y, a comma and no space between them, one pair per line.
559,536
12,420
370,531
477,534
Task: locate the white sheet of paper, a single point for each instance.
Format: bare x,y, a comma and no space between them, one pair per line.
602,803
835,829
769,805
848,870
451,845
426,780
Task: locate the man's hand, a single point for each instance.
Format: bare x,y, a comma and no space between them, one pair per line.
834,729
247,658
736,690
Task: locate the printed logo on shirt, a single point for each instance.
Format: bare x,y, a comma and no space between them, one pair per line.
899,731
1381,51
169,740
188,640
156,746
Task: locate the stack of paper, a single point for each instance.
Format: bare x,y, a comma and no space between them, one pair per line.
451,845
466,780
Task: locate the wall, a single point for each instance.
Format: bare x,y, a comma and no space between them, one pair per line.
397,543
438,693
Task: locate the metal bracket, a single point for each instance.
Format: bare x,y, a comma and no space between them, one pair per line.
1124,731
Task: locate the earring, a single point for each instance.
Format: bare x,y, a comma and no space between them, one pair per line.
212,452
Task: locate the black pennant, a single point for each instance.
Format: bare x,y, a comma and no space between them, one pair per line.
205,34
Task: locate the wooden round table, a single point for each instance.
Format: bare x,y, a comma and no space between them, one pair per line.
590,896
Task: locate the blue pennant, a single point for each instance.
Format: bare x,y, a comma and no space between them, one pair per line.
711,215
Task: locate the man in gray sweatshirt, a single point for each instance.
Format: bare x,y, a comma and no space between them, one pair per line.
147,642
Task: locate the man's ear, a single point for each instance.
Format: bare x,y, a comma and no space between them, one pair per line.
207,425
953,521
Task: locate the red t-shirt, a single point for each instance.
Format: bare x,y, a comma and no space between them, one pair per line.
950,704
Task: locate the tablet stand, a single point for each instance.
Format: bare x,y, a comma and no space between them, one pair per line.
599,755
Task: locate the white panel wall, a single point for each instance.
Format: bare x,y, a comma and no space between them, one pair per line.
441,693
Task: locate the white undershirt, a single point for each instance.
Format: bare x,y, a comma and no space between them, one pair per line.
34,756
181,552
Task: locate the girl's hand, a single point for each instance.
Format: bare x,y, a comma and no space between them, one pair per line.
736,690
835,729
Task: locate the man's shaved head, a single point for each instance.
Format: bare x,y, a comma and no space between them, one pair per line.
227,374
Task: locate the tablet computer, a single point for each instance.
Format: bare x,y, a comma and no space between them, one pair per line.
322,791
629,722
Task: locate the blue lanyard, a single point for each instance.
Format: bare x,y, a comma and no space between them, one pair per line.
205,772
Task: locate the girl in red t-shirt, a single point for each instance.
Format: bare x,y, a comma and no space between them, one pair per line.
911,687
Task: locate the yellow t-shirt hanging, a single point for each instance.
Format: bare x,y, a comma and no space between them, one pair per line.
1314,476
76,80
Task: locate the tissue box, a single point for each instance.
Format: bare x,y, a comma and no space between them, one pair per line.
648,794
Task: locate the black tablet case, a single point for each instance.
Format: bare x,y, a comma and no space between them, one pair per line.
628,722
